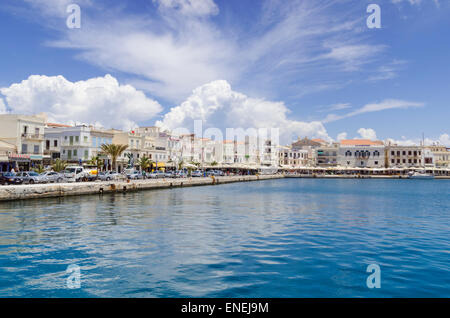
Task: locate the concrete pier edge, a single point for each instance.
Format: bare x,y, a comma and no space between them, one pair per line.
53,190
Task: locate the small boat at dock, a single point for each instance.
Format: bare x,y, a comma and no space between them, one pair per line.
420,175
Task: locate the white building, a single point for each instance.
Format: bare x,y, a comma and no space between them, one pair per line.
26,134
75,144
361,153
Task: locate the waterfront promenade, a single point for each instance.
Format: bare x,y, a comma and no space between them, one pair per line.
19,192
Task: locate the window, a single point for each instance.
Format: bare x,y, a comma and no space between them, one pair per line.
376,162
24,148
348,153
86,154
393,161
415,153
75,152
55,143
47,144
392,153
376,153
25,129
36,149
409,153
404,153
71,140
69,154
85,138
77,139
36,131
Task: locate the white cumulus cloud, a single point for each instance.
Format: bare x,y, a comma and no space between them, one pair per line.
341,136
219,105
367,133
100,99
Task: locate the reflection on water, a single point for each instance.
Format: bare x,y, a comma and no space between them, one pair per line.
275,238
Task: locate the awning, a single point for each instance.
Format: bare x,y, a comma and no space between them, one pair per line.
160,165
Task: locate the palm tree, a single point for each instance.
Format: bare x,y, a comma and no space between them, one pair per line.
214,163
114,151
144,163
39,169
180,165
59,165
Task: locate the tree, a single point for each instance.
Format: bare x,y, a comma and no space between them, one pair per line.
114,151
214,163
180,165
39,169
59,165
145,163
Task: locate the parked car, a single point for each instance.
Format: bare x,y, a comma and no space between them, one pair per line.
197,173
31,177
215,173
109,175
157,174
180,174
170,174
9,178
53,176
134,175
76,174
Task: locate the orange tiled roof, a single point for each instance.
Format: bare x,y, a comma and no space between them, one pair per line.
57,125
319,140
361,142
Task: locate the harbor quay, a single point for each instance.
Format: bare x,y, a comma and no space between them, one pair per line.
36,191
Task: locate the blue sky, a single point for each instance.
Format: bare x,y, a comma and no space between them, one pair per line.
309,67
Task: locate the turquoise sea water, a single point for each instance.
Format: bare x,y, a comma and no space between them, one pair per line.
275,238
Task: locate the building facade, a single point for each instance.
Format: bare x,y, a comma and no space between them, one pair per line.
361,153
26,134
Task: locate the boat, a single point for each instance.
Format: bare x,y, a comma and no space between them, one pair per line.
420,175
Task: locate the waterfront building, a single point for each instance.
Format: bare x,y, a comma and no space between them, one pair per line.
403,156
75,144
292,158
441,155
157,146
269,155
327,156
311,146
361,153
26,135
428,158
6,151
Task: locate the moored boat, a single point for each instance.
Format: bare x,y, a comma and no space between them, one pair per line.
420,175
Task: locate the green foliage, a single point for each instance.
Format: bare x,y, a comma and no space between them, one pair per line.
59,165
114,151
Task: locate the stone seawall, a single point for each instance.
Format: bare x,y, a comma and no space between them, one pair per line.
21,192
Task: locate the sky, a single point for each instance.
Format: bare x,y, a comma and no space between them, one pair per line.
311,68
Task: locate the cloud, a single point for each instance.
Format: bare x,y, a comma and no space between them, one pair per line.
100,99
282,50
189,7
218,105
367,133
375,107
341,136
443,139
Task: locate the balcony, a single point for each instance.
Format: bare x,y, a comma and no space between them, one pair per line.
28,136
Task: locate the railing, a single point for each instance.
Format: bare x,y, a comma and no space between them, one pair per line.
32,136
